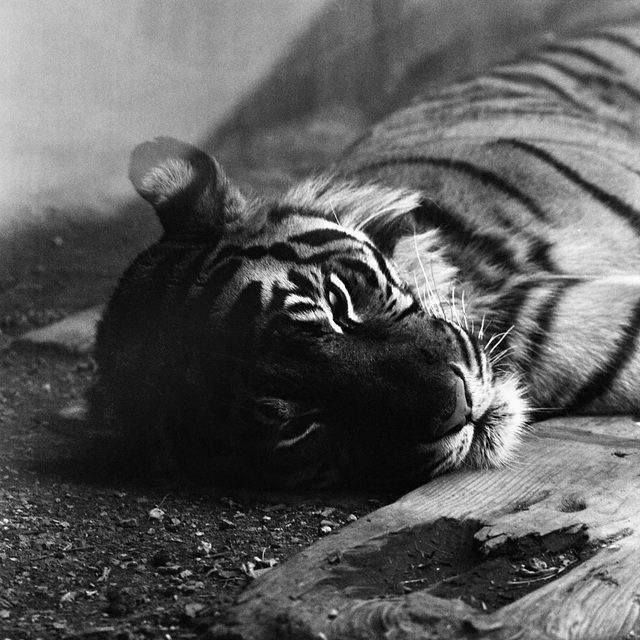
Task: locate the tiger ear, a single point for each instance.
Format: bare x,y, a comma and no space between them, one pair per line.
186,187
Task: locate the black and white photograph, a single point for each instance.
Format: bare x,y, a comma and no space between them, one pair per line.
319,319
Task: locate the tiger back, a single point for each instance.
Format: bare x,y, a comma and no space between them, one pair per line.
470,264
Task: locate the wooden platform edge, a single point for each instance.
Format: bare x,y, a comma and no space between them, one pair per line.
577,474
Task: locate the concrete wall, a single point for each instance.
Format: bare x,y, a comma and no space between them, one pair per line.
83,81
262,82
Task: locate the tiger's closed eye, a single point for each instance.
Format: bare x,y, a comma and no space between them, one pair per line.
339,299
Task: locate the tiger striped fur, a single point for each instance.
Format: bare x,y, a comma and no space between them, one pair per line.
471,263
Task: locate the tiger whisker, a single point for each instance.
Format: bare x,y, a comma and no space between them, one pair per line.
500,356
495,363
464,312
435,284
454,310
481,332
428,289
335,215
495,346
436,303
423,302
435,300
500,338
485,327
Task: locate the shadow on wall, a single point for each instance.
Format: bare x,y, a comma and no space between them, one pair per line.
359,60
355,62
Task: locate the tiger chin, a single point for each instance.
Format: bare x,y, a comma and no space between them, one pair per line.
282,343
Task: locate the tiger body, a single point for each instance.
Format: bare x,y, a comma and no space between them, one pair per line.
473,262
534,173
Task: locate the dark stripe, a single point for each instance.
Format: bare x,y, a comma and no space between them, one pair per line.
278,298
484,176
536,107
479,351
412,309
492,248
585,54
280,251
240,322
286,253
229,251
564,69
619,40
481,103
321,236
467,356
472,93
540,254
358,266
383,266
590,79
534,80
610,201
256,252
281,212
318,237
480,99
543,322
509,305
216,281
302,284
603,379
190,277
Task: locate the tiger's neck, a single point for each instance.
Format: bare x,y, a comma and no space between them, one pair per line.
450,290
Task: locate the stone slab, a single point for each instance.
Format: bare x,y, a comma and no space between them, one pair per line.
74,334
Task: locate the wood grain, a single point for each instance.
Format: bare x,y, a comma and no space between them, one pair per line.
572,474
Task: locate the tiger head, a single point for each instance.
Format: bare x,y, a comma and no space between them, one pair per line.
294,353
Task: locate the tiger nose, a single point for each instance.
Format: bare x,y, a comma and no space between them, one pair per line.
459,416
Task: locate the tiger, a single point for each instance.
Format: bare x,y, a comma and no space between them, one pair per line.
468,267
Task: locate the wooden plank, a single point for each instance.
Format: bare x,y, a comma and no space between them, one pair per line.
574,477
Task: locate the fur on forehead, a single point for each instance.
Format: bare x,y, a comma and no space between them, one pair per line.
352,205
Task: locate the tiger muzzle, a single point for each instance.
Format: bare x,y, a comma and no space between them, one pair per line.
396,393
